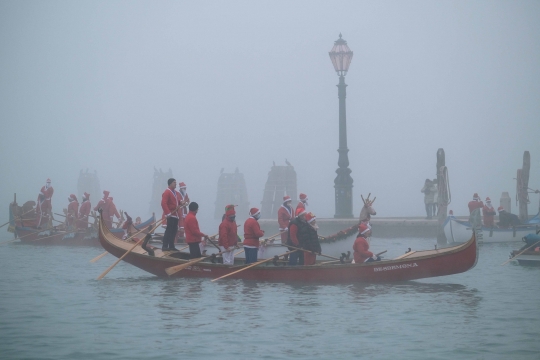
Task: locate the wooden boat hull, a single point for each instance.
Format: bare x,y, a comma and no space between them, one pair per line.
33,236
458,231
416,265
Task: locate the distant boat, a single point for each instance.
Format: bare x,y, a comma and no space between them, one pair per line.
531,257
458,231
410,266
32,235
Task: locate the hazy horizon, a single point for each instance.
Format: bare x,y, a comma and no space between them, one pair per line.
123,87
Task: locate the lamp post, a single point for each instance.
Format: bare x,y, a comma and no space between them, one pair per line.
341,57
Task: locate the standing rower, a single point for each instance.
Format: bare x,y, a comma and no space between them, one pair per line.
228,235
104,206
476,203
84,211
184,198
309,240
296,226
303,202
44,204
72,211
112,210
169,204
285,215
252,233
488,213
193,234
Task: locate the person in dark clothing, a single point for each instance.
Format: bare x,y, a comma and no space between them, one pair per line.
507,219
298,228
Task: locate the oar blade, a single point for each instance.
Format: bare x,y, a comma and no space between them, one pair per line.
174,269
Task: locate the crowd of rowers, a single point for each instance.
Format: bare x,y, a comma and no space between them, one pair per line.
298,230
76,215
506,218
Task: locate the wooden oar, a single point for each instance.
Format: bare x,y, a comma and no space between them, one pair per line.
95,217
297,248
129,238
137,243
507,261
174,269
254,264
20,237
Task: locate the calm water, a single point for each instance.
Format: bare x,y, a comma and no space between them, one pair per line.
52,307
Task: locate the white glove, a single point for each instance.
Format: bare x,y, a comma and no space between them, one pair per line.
375,257
169,214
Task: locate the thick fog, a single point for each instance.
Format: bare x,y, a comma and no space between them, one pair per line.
123,87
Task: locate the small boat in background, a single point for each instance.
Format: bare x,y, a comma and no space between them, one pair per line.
458,231
529,254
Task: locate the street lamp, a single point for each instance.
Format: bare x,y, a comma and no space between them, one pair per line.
341,57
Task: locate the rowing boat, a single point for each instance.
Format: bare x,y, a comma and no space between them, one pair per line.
410,266
458,231
32,235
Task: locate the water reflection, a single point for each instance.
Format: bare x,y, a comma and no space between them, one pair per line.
445,294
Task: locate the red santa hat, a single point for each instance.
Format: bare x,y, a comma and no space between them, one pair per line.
72,196
451,212
86,195
476,197
229,210
105,194
363,228
310,217
488,199
500,209
286,198
182,185
302,197
300,211
254,211
48,180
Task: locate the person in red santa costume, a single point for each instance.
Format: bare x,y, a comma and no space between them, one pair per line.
476,203
488,213
170,204
228,235
84,212
103,204
361,246
310,240
252,233
297,226
184,198
192,232
44,204
72,211
112,210
303,202
285,215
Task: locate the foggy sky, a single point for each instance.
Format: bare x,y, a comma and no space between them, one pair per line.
120,87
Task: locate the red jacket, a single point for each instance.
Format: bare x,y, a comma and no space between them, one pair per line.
191,229
72,212
473,205
169,202
84,211
361,250
112,209
104,205
47,196
183,199
252,232
228,233
284,216
488,215
300,205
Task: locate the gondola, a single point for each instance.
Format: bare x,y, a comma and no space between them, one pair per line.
32,235
411,266
458,231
